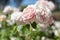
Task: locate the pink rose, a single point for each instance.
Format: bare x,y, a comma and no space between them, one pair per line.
43,15
28,14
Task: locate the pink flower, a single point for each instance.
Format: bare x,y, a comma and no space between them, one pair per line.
43,15
28,13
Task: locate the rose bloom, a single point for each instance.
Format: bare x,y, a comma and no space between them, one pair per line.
7,9
16,16
2,18
29,14
43,15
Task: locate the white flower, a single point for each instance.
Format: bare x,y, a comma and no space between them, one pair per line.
43,38
57,32
13,38
16,16
7,9
57,24
46,3
42,14
2,18
51,5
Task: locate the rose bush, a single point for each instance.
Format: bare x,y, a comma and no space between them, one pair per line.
33,23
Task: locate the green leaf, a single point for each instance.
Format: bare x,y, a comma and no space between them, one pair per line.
19,28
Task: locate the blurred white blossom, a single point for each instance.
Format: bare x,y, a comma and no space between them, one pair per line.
2,18
56,32
13,38
43,38
7,9
51,5
46,3
16,17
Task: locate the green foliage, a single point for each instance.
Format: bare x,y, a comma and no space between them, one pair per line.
23,32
